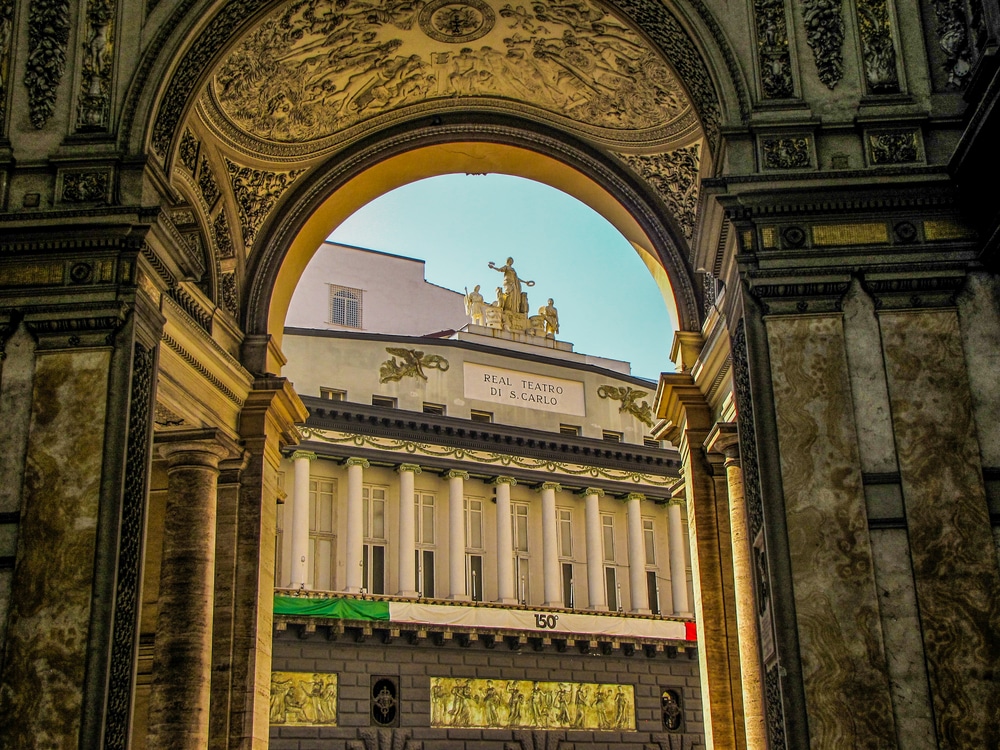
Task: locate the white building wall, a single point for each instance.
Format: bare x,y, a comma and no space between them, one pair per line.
395,297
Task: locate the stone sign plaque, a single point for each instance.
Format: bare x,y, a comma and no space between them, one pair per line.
513,388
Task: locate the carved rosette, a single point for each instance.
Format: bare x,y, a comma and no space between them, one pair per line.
256,191
772,49
879,51
674,176
824,23
785,152
893,147
98,62
48,35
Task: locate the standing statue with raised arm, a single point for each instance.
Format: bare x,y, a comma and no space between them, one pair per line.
514,301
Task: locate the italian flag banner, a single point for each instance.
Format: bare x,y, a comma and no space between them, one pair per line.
541,622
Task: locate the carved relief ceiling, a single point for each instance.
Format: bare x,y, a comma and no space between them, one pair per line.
316,73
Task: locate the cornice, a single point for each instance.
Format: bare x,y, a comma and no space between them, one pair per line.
397,424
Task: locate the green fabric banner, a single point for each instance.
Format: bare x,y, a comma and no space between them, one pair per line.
344,609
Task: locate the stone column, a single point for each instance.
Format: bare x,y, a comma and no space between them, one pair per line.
595,550
182,656
407,531
550,552
505,542
678,564
638,595
300,520
724,438
355,524
456,535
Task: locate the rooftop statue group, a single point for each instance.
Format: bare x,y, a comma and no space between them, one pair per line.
510,311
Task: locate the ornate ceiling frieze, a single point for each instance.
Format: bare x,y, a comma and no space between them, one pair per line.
879,51
772,49
311,71
94,106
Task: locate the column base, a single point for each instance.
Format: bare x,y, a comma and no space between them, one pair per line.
507,601
460,598
599,608
409,594
558,604
352,590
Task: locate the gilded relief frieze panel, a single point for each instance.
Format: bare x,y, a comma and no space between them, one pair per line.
674,176
314,73
304,699
521,704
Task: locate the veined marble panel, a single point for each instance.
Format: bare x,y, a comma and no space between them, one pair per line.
840,637
41,693
954,564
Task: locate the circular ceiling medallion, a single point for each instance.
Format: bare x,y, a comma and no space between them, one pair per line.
456,21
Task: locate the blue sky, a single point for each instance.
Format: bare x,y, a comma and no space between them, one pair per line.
608,303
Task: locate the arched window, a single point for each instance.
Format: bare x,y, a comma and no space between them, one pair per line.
345,306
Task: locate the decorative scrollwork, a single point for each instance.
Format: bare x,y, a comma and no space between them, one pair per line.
188,151
786,152
85,187
879,52
775,713
123,635
223,238
6,38
953,39
48,35
230,295
824,22
747,431
772,49
413,364
207,184
895,147
256,191
98,59
629,397
674,176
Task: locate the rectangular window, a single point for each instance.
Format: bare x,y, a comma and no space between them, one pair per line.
333,394
612,437
434,409
569,429
651,442
473,523
648,541
279,529
565,533
521,578
425,572
653,592
474,571
423,507
386,401
608,536
519,519
322,533
373,568
569,585
373,521
345,306
611,588
481,416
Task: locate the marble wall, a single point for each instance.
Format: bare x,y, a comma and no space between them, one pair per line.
42,689
954,564
843,659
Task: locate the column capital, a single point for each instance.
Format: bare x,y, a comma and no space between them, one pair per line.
723,438
505,480
196,447
364,463
307,455
414,468
634,496
550,486
456,474
592,491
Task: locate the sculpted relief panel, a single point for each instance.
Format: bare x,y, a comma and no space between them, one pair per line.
318,67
